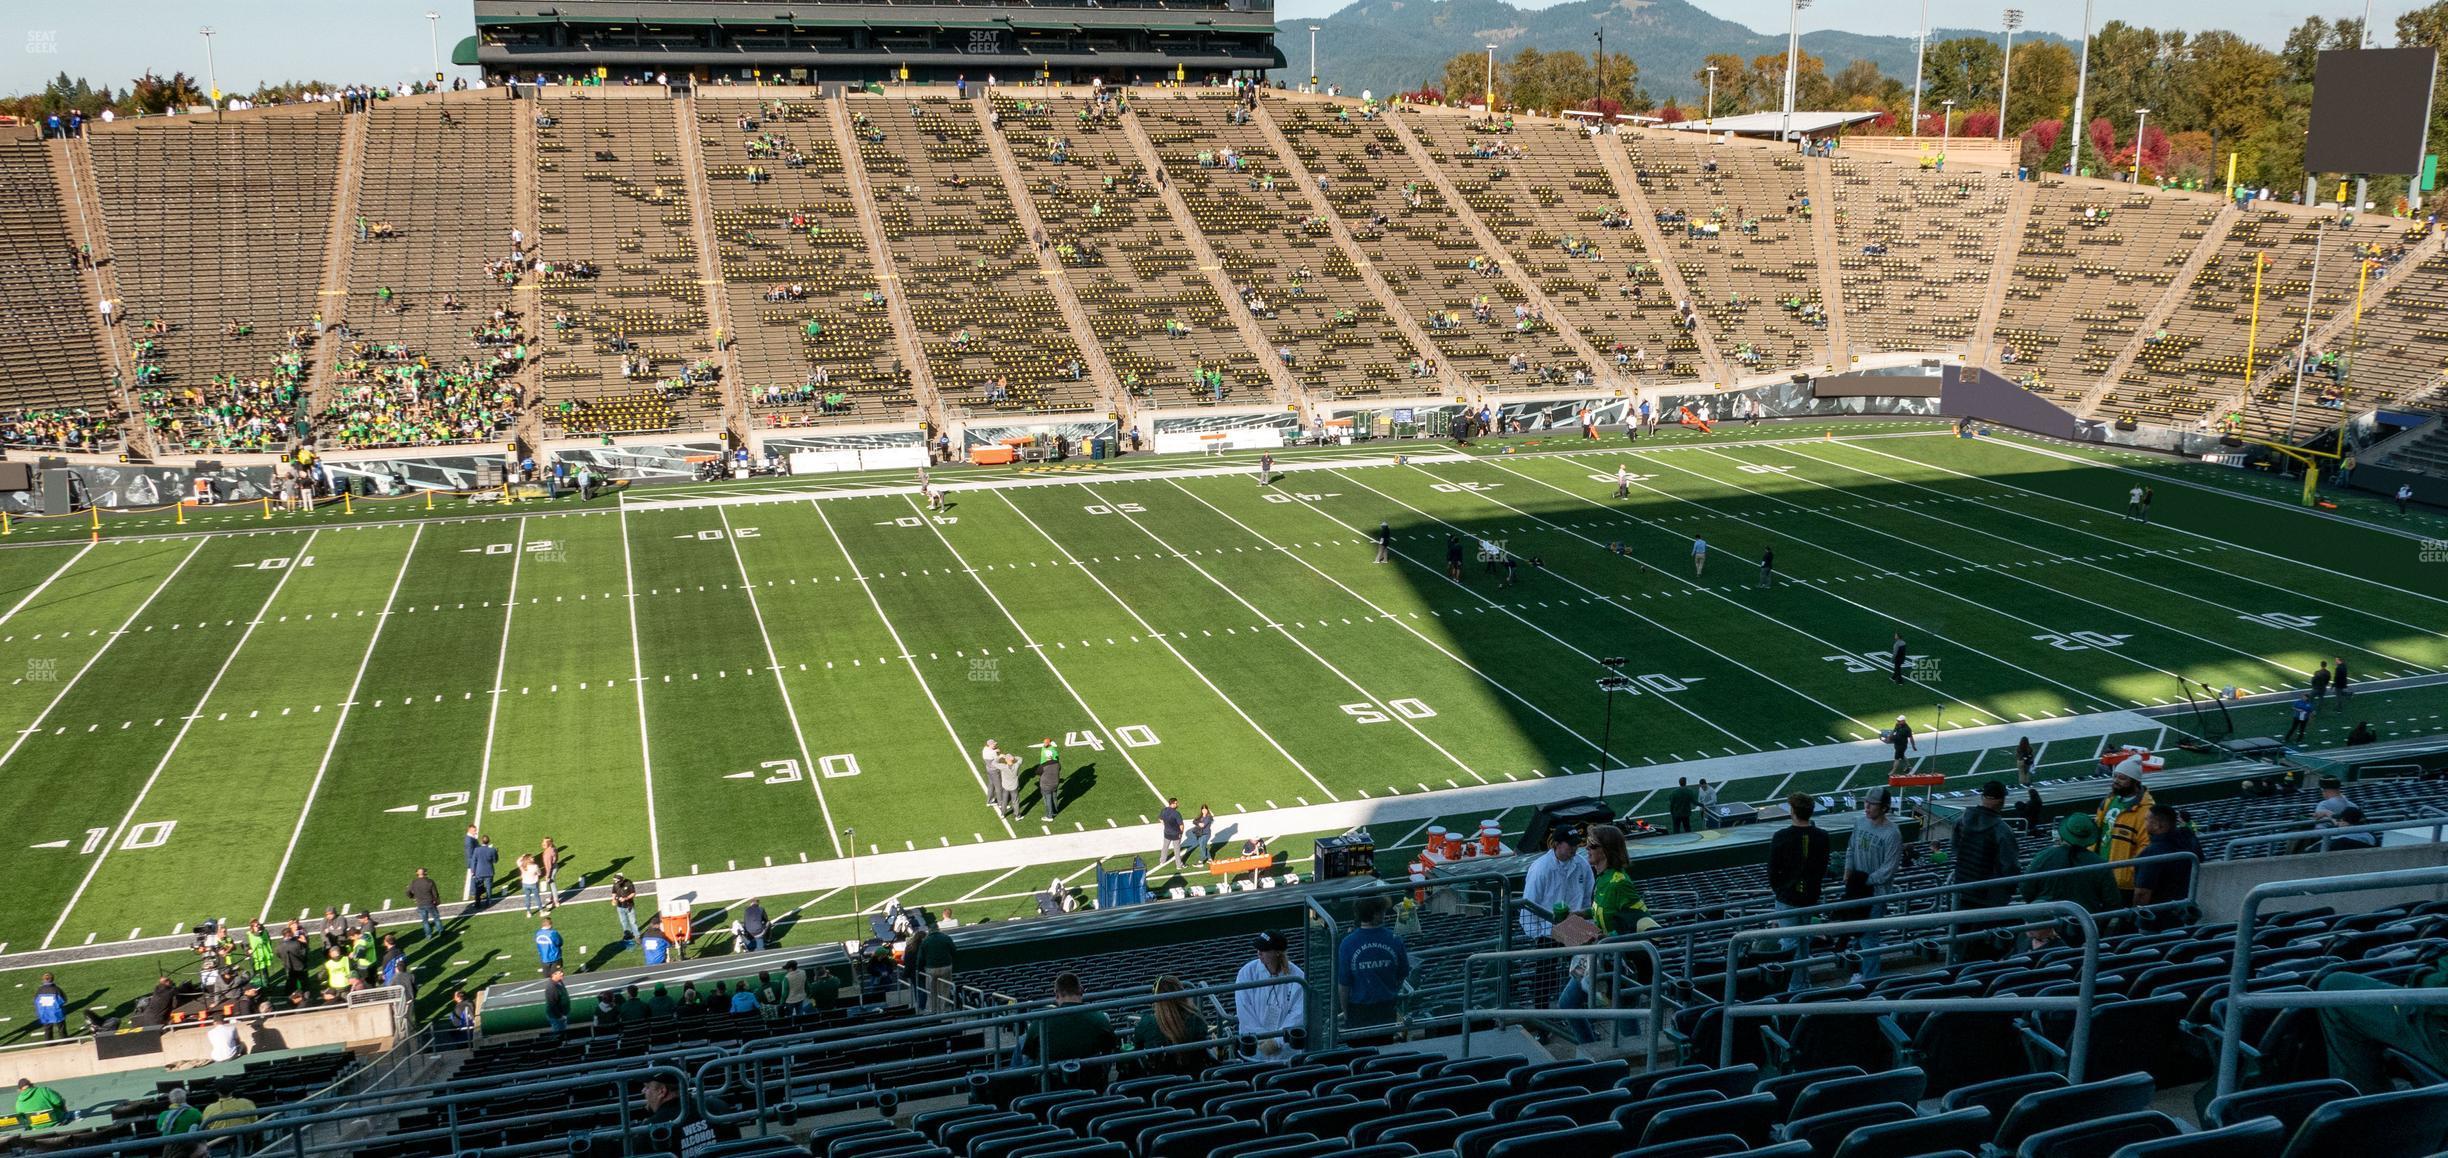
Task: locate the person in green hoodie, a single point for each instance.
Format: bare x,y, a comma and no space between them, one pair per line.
2096,892
260,950
39,1106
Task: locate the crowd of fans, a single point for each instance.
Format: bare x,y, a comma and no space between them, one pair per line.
384,394
73,429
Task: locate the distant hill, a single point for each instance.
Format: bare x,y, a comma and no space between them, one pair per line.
1389,45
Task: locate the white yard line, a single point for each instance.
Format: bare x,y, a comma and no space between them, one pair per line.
1989,568
1167,643
910,661
1431,453
1398,621
2084,696
103,855
2173,480
324,766
1280,629
773,662
2017,445
96,657
45,585
2086,534
637,680
501,674
999,878
1387,813
1044,656
1615,602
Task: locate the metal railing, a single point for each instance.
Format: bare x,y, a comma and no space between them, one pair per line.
2239,1000
2324,834
719,1081
1608,955
2077,1046
284,1130
1689,935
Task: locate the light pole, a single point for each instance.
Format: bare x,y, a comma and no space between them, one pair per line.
2082,79
212,74
1712,97
858,912
1313,84
1609,685
1793,60
1491,82
433,40
2141,121
1920,49
2014,20
1601,70
1946,126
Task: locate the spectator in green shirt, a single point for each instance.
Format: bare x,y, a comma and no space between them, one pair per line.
39,1106
2095,892
1069,1034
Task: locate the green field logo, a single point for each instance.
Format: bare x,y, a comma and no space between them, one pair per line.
984,671
42,669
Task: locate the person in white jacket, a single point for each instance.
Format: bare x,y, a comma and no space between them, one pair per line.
1268,1012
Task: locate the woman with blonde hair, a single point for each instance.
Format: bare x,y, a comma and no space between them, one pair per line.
1616,908
1173,1021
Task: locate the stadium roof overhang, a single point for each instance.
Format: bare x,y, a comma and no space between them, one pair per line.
1770,124
464,52
496,56
683,13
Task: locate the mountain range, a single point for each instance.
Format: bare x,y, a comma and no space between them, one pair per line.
1388,46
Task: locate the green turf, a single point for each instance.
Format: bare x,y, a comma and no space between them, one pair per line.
673,689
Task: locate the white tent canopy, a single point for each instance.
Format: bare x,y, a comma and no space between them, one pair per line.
1809,124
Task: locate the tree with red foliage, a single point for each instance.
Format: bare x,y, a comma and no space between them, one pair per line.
1671,113
1980,124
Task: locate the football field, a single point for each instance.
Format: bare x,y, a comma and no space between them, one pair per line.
267,717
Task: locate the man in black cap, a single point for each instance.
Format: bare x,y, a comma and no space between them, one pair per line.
1274,1018
665,1107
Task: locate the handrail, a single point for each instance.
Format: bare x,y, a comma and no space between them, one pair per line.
1690,933
714,1075
2325,834
279,1119
2080,1005
2239,973
1611,952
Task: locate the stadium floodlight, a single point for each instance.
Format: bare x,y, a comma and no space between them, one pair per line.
1610,685
2082,81
212,74
1793,58
1920,51
2141,121
1711,116
2014,20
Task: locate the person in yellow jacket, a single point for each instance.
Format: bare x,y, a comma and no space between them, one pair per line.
2121,818
334,972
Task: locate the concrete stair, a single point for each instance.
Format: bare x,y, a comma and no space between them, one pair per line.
2169,300
709,264
527,297
1287,388
1819,177
2001,271
1049,264
72,169
332,299
1618,165
1306,183
1469,217
879,257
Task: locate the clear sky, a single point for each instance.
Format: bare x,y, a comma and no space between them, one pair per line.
386,41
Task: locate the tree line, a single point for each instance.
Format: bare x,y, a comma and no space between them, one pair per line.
2209,94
